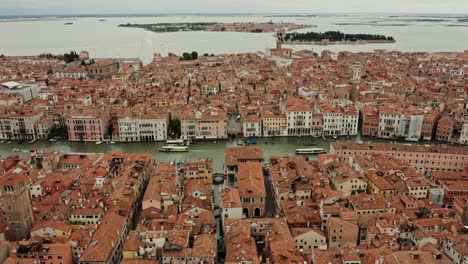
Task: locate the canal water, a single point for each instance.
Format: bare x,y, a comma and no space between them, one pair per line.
215,151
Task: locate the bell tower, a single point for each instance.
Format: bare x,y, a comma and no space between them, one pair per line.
17,206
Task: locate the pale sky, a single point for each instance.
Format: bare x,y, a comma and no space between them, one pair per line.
25,7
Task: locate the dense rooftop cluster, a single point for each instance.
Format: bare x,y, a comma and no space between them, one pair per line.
280,92
359,203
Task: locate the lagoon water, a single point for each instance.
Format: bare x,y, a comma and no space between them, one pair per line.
106,39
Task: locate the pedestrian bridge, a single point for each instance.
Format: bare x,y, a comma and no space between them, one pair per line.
219,178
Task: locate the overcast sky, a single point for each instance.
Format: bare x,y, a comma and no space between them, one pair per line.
24,7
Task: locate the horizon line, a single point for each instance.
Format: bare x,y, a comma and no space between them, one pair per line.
221,13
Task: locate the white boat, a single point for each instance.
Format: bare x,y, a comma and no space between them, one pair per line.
8,142
335,136
308,151
173,149
99,142
53,139
177,142
112,142
32,141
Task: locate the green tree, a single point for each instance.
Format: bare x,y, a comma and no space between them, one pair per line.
186,56
50,71
194,55
58,131
110,130
175,128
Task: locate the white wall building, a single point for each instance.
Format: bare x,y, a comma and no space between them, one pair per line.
142,129
299,120
252,126
464,134
389,124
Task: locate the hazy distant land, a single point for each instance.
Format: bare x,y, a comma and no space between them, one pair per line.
215,26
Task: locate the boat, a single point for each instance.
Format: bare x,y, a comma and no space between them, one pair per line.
32,141
112,142
53,139
99,142
253,141
177,142
335,136
8,142
173,149
307,151
68,23
324,138
3,141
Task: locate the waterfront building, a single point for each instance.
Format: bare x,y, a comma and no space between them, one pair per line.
20,122
428,129
389,122
146,127
252,126
274,124
87,124
425,158
464,134
198,170
207,123
445,128
298,115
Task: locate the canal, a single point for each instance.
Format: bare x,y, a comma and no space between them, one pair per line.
215,151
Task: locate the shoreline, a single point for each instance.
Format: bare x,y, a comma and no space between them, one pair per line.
343,42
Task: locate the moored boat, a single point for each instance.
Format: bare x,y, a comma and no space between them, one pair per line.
308,151
173,149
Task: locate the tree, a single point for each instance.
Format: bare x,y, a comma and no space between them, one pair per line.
423,212
186,56
175,128
194,55
70,57
50,71
58,131
110,130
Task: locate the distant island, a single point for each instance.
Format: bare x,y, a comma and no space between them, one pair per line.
331,37
213,26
